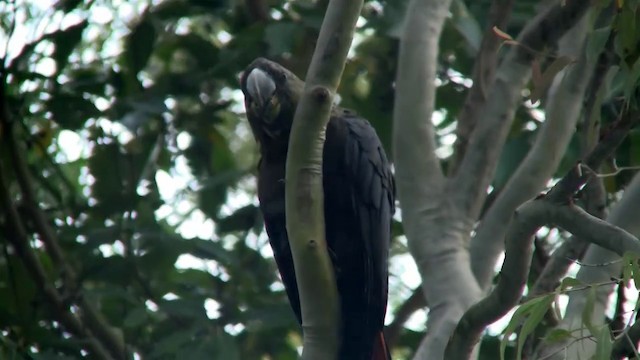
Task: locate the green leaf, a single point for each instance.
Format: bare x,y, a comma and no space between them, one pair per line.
67,5
587,312
212,250
596,43
268,318
280,36
627,271
536,315
136,317
627,33
198,48
139,45
604,344
517,318
185,308
569,282
242,219
71,111
105,165
558,335
633,80
466,24
541,85
65,41
514,151
171,343
227,347
635,270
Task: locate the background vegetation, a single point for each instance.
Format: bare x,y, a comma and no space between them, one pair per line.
128,218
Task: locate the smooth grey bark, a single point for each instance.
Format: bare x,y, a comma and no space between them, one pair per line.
439,213
495,118
525,222
435,232
563,109
624,214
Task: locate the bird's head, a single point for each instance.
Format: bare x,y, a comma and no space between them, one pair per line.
271,94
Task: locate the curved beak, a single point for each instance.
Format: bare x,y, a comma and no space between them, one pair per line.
260,87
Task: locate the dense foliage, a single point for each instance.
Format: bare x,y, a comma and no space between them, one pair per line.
127,167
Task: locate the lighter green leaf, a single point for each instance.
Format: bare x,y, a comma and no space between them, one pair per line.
588,311
557,335
604,345
538,310
632,81
519,315
569,282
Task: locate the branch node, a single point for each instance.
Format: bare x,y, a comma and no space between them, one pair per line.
321,94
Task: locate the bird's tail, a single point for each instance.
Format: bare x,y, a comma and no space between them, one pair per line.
380,349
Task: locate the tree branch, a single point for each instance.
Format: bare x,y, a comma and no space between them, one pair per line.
574,248
414,303
436,235
624,215
436,232
525,223
579,175
303,190
554,208
419,177
96,323
484,70
563,110
626,344
495,118
18,238
594,192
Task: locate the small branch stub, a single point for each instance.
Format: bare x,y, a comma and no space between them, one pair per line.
321,94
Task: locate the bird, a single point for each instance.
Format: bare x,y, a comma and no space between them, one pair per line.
359,203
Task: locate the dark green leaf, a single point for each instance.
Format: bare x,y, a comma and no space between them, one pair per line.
209,249
242,219
172,343
106,165
466,24
136,317
65,41
71,111
188,308
596,42
513,153
139,45
67,5
280,37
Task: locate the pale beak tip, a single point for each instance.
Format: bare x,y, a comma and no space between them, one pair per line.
260,86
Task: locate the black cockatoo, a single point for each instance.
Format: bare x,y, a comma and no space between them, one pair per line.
358,199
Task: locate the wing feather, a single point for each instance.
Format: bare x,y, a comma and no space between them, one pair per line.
373,192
